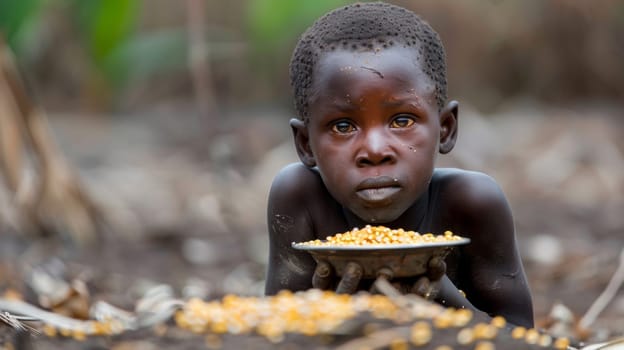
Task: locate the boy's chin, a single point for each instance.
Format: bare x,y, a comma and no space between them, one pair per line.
377,217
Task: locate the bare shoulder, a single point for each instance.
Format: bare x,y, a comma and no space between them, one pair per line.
295,181
489,269
468,193
474,204
294,189
299,196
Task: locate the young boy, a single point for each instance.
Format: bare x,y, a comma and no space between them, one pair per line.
370,89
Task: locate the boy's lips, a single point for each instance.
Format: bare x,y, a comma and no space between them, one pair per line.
378,189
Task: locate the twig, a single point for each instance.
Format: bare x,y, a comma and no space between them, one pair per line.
57,203
607,295
199,66
415,304
376,340
11,142
17,322
123,320
611,344
18,307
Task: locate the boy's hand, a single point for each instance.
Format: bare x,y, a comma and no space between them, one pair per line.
426,286
323,277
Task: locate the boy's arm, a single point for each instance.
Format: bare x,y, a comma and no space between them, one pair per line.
490,272
288,221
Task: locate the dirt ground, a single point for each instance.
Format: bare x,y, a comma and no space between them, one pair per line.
188,211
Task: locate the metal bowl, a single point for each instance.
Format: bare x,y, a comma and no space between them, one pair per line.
404,260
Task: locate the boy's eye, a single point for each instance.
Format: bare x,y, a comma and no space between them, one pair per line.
343,127
402,121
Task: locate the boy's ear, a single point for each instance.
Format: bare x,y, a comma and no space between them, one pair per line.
448,127
302,142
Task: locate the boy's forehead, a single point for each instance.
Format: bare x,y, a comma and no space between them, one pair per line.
399,64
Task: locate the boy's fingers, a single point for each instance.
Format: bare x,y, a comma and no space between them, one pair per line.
436,268
426,288
434,290
350,279
322,275
422,287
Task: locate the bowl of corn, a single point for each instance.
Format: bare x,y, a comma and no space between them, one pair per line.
404,253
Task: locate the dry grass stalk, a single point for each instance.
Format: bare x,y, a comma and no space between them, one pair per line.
116,320
199,64
56,202
17,322
607,295
33,313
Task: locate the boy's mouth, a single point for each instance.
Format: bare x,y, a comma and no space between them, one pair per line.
378,189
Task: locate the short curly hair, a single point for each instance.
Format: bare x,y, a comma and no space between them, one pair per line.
364,26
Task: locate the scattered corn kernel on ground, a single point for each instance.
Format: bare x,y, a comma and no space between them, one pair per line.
381,235
322,313
321,321
330,317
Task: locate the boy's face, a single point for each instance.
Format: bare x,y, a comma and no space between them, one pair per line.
374,130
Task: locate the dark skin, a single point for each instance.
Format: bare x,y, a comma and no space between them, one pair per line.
367,155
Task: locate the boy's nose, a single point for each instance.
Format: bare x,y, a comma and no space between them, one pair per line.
375,150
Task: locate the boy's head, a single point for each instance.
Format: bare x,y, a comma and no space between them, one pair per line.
370,89
366,26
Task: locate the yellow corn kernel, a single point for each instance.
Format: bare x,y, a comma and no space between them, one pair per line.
498,322
518,332
465,336
544,340
79,335
461,317
311,312
103,328
484,345
445,319
485,331
562,343
380,235
219,327
49,330
308,327
420,333
531,336
398,344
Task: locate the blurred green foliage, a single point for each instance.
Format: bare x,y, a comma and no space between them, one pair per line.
116,51
119,54
107,23
106,26
273,27
273,23
17,18
103,26
105,49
